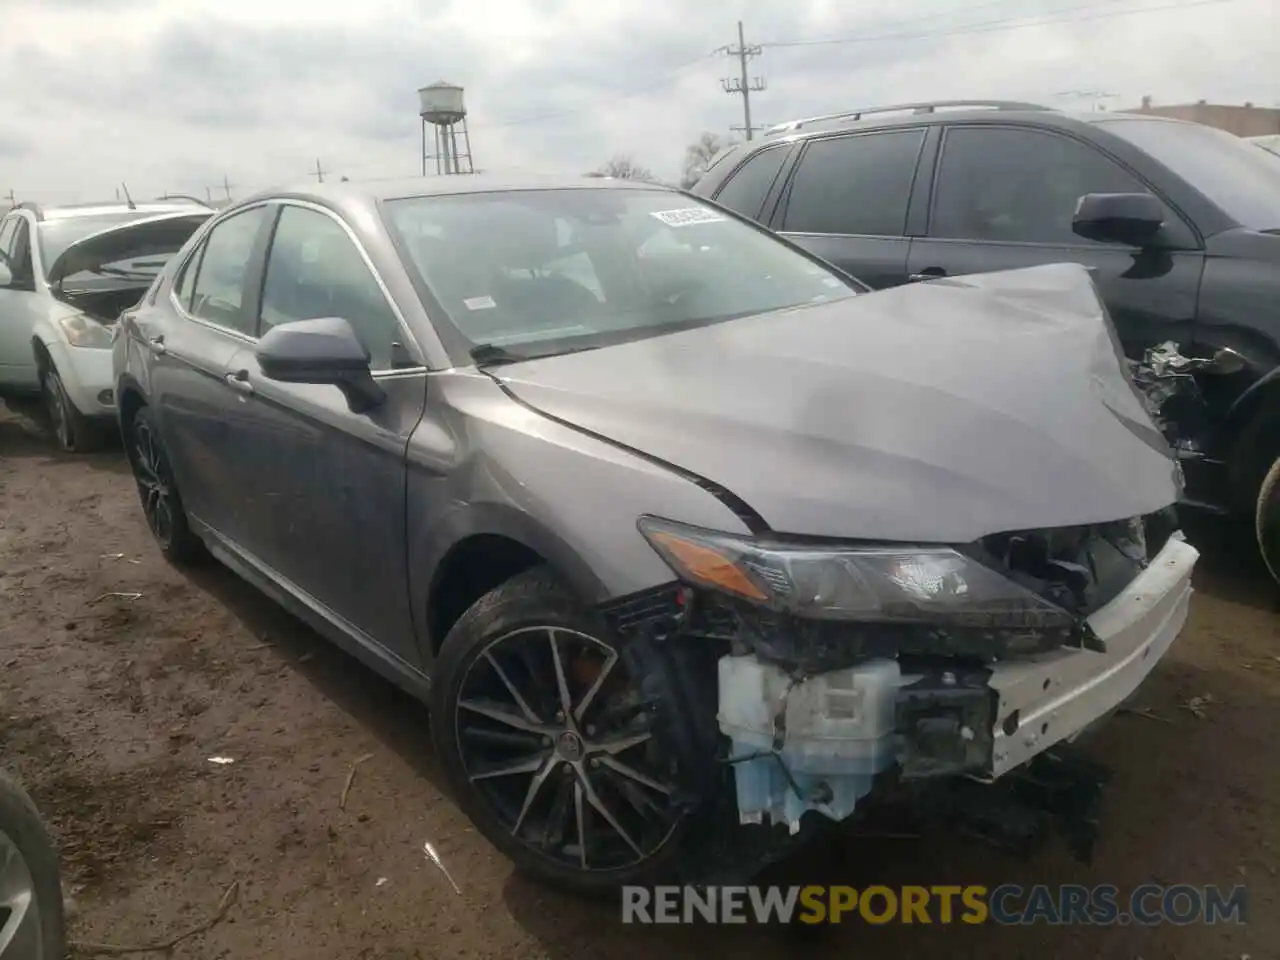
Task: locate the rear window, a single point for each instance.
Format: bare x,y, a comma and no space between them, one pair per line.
537,272
1232,173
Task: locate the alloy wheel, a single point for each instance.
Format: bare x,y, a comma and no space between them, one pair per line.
20,929
153,482
556,738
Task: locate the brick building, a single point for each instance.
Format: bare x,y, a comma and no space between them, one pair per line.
1243,121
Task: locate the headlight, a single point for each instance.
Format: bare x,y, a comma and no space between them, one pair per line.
83,332
891,584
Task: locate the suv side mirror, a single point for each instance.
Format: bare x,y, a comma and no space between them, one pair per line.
325,350
1129,218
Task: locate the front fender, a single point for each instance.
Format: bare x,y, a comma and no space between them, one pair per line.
481,463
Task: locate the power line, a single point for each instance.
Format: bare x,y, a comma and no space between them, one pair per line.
623,94
1005,24
743,85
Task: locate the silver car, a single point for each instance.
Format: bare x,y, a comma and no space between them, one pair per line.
686,538
66,273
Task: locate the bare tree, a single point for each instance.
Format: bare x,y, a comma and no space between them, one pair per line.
624,167
698,156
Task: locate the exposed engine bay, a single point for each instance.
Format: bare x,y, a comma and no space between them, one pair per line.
105,304
820,715
1166,380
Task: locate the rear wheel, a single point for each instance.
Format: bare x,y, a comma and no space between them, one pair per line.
1267,523
549,742
161,503
31,908
74,432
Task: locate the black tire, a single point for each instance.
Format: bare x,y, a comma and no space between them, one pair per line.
72,430
20,823
1267,520
526,606
157,490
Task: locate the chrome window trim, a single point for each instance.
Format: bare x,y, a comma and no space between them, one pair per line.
380,373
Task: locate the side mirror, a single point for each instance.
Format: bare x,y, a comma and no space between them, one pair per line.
1129,218
324,350
6,275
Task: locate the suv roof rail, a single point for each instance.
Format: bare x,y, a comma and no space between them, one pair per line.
927,106
32,206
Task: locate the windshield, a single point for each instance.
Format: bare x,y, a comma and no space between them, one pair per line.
1233,173
545,271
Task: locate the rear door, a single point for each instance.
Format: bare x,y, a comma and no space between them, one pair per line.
192,337
848,199
1004,197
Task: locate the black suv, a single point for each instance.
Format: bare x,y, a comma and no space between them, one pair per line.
1179,223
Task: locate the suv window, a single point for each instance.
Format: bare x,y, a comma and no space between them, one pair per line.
20,255
855,184
315,270
1007,184
747,186
218,292
7,229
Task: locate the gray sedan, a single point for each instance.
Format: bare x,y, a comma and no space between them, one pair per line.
685,537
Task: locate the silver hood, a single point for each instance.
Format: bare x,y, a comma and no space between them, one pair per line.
940,412
148,235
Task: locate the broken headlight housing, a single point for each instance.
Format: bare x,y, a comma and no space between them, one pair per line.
902,584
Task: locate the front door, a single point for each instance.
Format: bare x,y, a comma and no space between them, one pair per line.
329,484
847,202
1004,197
19,308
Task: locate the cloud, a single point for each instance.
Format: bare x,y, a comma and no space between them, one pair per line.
175,96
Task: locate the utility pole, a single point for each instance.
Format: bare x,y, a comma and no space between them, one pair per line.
744,85
226,187
319,174
13,200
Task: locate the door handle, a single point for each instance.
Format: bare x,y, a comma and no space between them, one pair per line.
156,345
929,273
239,382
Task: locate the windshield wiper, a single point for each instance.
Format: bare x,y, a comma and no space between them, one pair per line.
490,355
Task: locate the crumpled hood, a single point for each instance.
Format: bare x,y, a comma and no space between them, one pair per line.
940,412
162,233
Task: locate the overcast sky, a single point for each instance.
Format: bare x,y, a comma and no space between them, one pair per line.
176,94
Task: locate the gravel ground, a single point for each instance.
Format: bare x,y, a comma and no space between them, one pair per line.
110,709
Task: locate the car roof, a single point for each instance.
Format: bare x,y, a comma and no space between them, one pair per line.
344,193
77,210
873,120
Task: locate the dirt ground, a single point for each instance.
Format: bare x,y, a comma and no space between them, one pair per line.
111,708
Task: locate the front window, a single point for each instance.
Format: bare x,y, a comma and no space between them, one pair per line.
538,272
1234,174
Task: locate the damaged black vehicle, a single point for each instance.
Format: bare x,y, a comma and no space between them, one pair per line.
689,541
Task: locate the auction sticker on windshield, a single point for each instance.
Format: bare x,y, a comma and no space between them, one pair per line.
687,215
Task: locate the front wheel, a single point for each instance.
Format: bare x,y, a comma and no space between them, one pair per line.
74,432
550,744
31,908
1268,520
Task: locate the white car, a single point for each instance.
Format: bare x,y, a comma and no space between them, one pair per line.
1269,142
66,273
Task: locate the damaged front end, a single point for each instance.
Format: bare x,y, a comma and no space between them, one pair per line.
843,667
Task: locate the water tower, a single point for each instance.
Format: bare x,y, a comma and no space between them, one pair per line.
441,106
